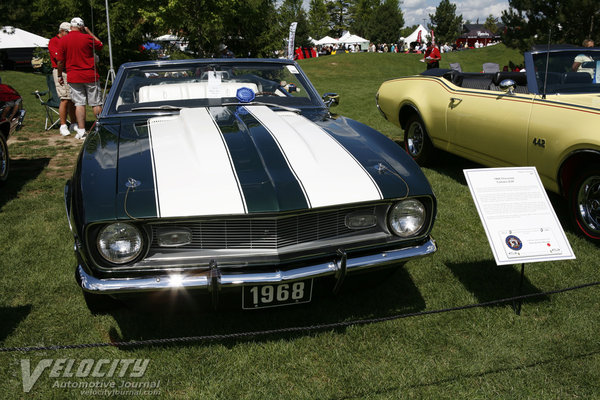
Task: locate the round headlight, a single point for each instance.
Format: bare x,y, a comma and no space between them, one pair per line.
407,217
120,243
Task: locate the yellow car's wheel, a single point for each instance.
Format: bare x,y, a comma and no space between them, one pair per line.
416,140
584,202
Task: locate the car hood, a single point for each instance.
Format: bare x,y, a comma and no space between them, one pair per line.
239,160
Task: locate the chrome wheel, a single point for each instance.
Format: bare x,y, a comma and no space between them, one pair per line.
416,140
588,205
415,137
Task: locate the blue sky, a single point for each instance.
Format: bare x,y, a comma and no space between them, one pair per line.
415,10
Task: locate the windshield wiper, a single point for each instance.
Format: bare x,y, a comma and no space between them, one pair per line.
260,103
163,107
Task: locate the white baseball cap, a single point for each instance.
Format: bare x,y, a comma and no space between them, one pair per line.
65,26
78,22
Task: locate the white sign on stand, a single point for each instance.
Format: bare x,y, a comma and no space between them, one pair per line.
518,218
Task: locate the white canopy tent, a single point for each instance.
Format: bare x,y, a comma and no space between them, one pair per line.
349,38
413,36
15,38
326,40
17,46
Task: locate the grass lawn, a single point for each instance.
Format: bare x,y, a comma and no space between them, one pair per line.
550,351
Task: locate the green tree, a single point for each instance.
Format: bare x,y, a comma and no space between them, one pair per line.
318,19
445,23
243,25
531,22
361,14
292,11
491,24
386,23
338,12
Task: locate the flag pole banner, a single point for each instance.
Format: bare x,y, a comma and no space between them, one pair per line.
291,40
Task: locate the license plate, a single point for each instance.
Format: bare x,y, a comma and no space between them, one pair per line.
281,294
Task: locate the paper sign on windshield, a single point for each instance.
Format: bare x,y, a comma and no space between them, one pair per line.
518,218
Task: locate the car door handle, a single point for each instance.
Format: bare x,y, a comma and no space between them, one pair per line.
455,100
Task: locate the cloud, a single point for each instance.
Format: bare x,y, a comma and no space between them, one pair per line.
415,10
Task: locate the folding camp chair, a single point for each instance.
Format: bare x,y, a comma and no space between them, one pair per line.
491,67
456,67
50,104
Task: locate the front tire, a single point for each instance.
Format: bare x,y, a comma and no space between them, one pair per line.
416,141
4,160
584,202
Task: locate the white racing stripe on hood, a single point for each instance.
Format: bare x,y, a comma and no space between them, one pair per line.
193,171
329,174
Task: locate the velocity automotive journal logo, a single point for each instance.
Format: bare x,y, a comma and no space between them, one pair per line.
92,377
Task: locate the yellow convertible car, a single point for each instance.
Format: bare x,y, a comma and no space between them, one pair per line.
547,117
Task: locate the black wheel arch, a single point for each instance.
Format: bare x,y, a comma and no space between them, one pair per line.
572,163
406,111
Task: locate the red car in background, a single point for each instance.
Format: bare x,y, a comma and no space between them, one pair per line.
11,119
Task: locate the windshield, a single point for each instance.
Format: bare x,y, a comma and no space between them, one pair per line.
210,83
572,71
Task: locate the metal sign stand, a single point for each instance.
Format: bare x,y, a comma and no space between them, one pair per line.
518,303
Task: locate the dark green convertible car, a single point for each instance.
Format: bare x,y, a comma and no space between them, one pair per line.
232,178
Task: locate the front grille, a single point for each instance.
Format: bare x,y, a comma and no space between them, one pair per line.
265,233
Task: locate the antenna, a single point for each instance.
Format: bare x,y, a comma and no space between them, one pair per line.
111,72
547,61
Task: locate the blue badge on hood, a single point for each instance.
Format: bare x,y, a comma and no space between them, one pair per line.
245,95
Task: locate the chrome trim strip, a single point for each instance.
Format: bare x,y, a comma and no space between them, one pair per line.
227,279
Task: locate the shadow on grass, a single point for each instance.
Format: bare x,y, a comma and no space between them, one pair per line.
489,282
518,368
21,172
11,317
452,166
364,296
449,164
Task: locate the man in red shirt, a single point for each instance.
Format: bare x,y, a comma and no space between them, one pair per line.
77,51
432,56
63,90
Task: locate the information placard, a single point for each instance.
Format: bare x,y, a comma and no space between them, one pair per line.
518,218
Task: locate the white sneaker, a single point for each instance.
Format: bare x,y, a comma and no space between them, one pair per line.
80,134
73,127
64,130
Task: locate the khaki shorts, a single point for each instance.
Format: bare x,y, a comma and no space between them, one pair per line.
63,91
82,93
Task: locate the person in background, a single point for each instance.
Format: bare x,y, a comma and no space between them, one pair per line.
432,56
64,92
582,58
77,51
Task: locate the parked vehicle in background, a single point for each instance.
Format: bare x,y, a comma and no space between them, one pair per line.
547,117
11,119
231,177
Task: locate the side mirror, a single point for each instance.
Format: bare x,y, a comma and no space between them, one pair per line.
331,99
508,85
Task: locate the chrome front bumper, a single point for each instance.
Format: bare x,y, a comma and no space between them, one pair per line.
215,279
